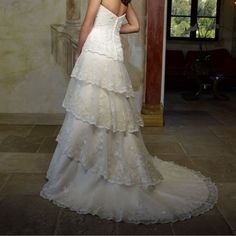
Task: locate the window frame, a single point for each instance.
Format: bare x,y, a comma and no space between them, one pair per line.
193,21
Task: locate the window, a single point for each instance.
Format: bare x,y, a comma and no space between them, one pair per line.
193,19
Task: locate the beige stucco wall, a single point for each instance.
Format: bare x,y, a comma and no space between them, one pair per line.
30,81
226,32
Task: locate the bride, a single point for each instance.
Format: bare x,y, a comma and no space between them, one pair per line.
100,165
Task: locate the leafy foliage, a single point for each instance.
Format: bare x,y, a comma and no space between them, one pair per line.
205,16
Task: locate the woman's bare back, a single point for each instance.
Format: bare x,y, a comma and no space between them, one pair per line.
118,8
115,6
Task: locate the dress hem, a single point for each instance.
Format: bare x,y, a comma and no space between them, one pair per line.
204,207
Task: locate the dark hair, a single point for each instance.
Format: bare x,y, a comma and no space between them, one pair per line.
126,2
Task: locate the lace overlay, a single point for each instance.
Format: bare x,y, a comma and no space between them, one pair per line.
102,97
119,158
104,38
116,80
100,165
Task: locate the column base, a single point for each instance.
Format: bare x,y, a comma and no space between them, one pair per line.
153,115
73,24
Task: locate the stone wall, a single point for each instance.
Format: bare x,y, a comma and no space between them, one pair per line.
30,81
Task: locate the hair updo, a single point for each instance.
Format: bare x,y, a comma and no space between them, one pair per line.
126,2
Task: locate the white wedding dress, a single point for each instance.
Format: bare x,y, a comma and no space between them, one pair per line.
101,165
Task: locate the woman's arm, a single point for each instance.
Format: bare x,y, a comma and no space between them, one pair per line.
93,6
133,25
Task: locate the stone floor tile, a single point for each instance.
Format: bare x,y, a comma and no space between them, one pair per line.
226,160
158,131
224,118
36,163
83,224
44,130
49,119
17,118
189,118
179,122
141,229
25,215
71,218
203,139
48,145
18,130
211,223
20,144
178,159
43,162
208,149
153,138
164,148
193,131
224,130
227,203
220,170
26,184
231,143
58,127
3,180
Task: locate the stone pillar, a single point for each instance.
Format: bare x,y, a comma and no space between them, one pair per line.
153,109
65,37
73,13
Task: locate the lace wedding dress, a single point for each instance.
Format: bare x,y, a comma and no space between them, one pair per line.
101,165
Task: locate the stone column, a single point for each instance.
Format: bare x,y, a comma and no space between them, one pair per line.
65,37
153,109
73,13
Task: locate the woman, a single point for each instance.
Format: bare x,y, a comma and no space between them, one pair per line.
101,165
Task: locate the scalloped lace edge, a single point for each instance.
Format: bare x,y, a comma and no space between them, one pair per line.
127,93
129,130
104,54
204,207
145,185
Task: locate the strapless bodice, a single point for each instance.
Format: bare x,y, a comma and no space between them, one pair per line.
104,37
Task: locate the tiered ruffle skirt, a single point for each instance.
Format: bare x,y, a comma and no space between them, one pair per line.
101,166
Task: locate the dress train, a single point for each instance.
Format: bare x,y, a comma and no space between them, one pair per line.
101,165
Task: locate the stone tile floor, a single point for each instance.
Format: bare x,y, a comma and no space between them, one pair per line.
198,134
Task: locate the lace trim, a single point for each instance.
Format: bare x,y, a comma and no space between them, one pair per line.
204,207
103,52
145,185
103,72
102,108
91,122
109,156
104,38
